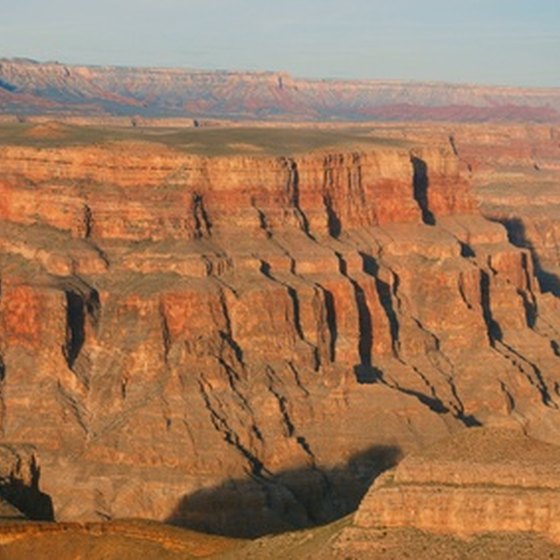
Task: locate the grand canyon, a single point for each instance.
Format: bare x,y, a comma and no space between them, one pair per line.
277,339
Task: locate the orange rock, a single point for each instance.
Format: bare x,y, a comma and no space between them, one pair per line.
480,481
175,322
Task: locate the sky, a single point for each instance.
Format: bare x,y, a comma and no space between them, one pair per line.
502,42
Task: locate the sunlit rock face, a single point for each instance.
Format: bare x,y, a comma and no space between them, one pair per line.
183,336
481,481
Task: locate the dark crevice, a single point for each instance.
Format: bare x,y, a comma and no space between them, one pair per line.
384,291
333,221
79,306
364,371
202,223
453,145
292,293
221,425
331,323
493,330
263,222
295,305
265,268
75,327
421,185
535,375
88,221
227,336
529,307
529,299
286,418
237,350
469,420
433,403
385,295
466,250
282,406
508,396
462,293
233,379
93,306
297,378
292,189
165,334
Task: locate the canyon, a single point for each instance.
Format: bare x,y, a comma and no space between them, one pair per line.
239,338
28,88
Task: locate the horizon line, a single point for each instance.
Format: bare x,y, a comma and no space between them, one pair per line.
282,73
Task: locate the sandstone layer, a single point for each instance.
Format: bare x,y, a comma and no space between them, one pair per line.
480,482
185,337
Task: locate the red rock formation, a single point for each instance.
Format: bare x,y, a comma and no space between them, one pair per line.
287,324
515,175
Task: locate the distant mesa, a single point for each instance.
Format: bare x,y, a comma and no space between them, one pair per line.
53,88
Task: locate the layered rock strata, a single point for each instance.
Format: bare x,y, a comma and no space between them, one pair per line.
29,88
515,173
183,337
482,481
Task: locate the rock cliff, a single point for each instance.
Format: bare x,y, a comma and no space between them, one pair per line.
183,337
515,174
483,481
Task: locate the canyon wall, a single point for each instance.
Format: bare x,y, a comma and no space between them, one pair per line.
184,338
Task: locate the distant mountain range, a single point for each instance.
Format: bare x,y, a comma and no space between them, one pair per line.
28,87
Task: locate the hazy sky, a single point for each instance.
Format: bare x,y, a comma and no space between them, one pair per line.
488,41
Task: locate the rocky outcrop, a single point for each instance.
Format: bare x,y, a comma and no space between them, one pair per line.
483,481
516,178
515,174
29,88
199,335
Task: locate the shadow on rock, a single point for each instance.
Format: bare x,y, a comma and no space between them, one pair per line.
26,495
290,500
517,235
